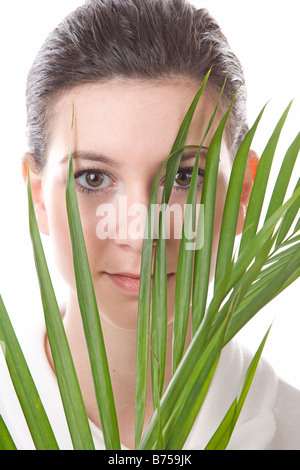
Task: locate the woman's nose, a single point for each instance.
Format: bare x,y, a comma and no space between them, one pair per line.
131,220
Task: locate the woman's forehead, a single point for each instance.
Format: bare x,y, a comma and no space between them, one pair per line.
134,117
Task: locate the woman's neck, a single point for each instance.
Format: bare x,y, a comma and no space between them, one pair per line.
121,353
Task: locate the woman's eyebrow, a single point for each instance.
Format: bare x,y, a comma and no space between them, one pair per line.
91,156
187,154
190,153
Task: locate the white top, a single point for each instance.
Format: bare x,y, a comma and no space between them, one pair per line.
270,418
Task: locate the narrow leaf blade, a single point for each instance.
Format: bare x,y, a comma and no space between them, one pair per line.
260,184
232,204
146,265
288,220
221,437
202,263
91,320
64,367
6,441
34,412
284,176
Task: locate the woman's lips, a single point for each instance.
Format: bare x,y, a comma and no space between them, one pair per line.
129,282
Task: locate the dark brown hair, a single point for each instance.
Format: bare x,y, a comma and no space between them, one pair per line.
150,40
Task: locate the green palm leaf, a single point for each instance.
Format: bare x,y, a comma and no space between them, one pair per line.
260,184
232,204
288,220
237,276
184,275
6,441
64,367
34,412
146,267
267,262
91,320
221,437
203,256
284,176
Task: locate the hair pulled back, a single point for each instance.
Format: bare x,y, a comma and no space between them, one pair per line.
154,40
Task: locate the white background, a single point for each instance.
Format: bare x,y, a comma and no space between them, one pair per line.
265,36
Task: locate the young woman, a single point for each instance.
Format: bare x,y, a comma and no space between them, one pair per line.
130,69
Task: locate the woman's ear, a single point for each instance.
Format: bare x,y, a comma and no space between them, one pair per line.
247,188
37,192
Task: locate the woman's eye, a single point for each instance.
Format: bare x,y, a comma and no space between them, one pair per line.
184,177
93,180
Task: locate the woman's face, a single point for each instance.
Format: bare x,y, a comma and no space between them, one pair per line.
122,135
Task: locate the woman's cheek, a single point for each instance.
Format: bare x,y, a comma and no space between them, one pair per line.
62,249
